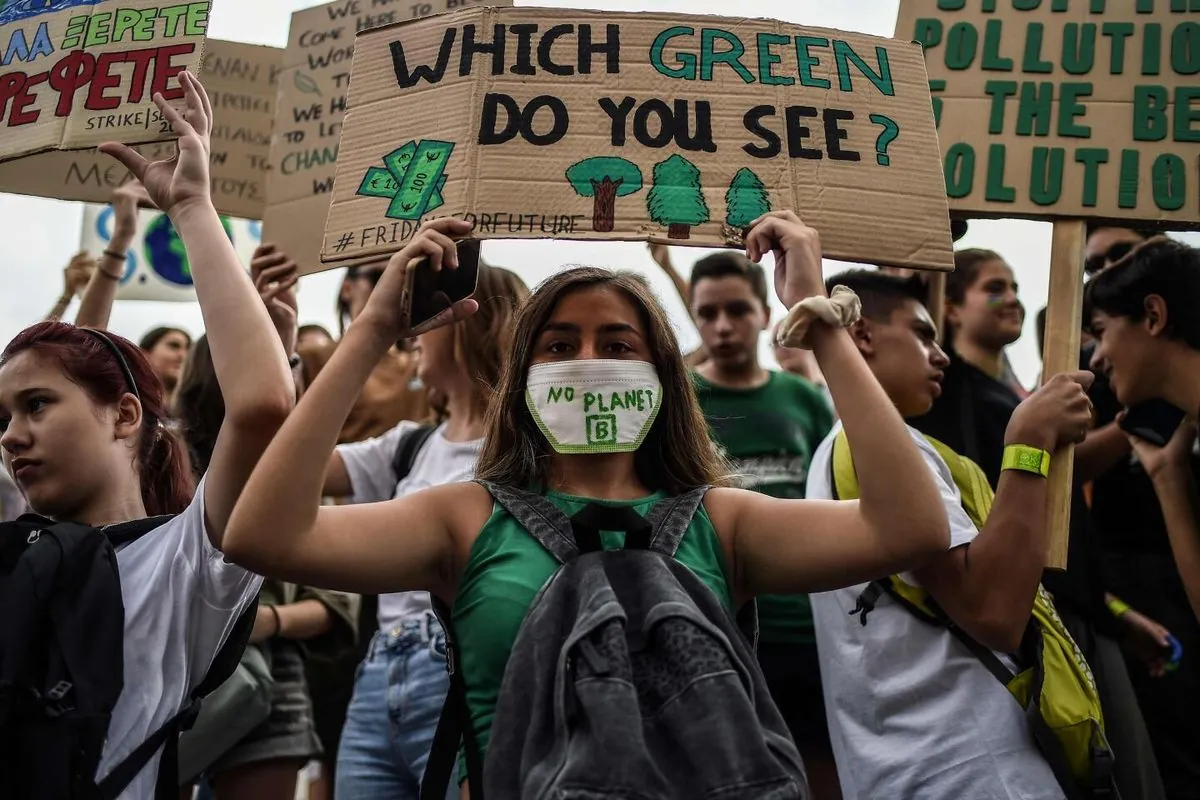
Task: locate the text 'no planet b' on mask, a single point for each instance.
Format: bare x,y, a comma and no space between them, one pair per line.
594,405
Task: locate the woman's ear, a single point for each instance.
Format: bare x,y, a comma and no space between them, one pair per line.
129,417
1156,314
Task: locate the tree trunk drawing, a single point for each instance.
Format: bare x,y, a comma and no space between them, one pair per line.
604,205
679,230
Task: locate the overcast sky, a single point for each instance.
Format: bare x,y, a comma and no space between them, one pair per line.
39,236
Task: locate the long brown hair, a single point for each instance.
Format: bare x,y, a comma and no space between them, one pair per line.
200,405
162,463
676,455
482,340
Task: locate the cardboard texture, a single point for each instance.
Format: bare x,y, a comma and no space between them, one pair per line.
156,267
641,126
241,83
1062,111
76,73
311,103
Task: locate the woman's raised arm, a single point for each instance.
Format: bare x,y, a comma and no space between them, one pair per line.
249,361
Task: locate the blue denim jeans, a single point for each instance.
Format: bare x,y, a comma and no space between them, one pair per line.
398,697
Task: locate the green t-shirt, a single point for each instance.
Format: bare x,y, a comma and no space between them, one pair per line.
770,434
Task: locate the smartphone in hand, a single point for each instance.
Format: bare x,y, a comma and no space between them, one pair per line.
430,293
1154,420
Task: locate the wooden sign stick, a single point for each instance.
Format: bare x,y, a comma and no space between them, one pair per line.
1063,328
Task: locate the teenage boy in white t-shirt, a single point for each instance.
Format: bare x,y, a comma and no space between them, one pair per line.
912,713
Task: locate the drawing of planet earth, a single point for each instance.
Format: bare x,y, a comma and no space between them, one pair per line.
164,251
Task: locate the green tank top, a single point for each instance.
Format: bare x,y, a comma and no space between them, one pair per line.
507,568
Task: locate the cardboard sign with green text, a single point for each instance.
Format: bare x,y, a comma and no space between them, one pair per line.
76,73
311,103
553,123
1066,108
241,83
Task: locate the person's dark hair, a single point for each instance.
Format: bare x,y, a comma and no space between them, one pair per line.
483,340
881,294
1161,266
967,264
200,406
152,336
304,330
1143,232
162,462
1040,323
728,262
676,455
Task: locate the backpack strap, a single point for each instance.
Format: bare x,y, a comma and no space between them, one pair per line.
671,517
406,450
541,518
123,533
454,725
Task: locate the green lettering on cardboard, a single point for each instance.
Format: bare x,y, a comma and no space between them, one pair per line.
999,91
1187,113
1117,32
144,32
126,19
927,32
76,26
1059,5
709,56
171,16
807,61
98,29
1150,122
1079,48
687,61
1026,5
1091,158
961,43
844,56
1097,6
1145,6
1127,186
767,60
1035,108
1046,175
1169,179
1033,63
951,5
1151,48
960,170
992,60
1185,49
995,191
197,20
1070,109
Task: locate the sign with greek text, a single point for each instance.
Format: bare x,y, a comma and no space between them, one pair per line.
311,103
1066,108
553,123
241,83
156,266
76,73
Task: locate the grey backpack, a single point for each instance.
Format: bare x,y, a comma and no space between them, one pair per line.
628,678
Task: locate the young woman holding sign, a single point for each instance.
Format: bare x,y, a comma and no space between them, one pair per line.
593,329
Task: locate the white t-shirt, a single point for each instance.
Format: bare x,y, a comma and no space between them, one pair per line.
912,714
182,599
369,465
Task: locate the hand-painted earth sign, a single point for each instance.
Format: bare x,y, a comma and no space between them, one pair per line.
76,73
241,83
555,123
311,103
1066,108
156,267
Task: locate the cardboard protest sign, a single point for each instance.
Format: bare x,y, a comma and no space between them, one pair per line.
241,83
1066,108
76,73
541,123
311,103
156,267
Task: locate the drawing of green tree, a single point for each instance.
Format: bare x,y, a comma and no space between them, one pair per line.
604,179
675,199
746,200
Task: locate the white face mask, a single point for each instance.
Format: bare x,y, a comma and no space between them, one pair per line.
594,405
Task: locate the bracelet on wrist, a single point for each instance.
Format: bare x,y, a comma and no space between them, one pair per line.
278,623
1024,458
1117,606
114,254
